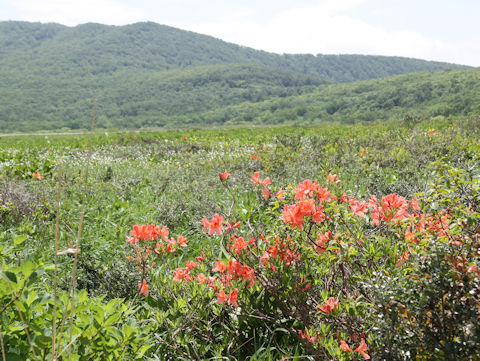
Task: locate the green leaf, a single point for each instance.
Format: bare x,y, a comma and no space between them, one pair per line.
33,277
9,276
14,357
19,240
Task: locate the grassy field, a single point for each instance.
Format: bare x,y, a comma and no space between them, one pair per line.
110,182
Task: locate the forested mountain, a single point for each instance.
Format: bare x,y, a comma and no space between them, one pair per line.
133,98
96,49
147,74
418,95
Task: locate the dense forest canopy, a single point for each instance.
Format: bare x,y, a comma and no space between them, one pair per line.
147,74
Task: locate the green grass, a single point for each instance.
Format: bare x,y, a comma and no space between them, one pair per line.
171,178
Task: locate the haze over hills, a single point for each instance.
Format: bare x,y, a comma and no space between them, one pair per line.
147,74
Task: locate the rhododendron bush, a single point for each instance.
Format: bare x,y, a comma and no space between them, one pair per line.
349,278
301,243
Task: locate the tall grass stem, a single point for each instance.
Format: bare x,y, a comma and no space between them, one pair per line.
73,283
57,232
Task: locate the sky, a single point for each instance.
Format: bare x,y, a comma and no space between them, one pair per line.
442,30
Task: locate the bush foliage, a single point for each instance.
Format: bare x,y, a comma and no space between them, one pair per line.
333,243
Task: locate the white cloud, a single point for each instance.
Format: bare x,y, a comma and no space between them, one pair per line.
73,12
327,28
312,26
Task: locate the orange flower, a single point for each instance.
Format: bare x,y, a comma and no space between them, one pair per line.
344,346
234,266
266,193
332,178
248,274
143,288
305,189
147,232
239,245
201,278
171,245
310,336
292,214
191,265
362,348
323,194
224,176
280,194
323,240
214,225
358,208
318,215
37,175
255,177
253,156
229,226
329,306
182,241
233,297
394,206
266,181
158,248
221,297
164,233
220,267
178,275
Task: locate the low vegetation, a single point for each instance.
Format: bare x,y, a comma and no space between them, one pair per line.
339,242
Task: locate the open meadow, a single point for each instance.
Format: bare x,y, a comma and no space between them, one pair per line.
333,242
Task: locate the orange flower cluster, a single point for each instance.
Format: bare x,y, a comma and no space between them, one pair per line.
360,349
323,242
294,214
215,225
37,175
309,189
230,299
309,335
231,271
239,244
224,176
285,250
320,213
143,288
256,180
148,232
234,270
147,240
310,197
329,306
184,274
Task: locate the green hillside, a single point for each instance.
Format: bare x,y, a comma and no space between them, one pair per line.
147,74
425,95
135,98
100,49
